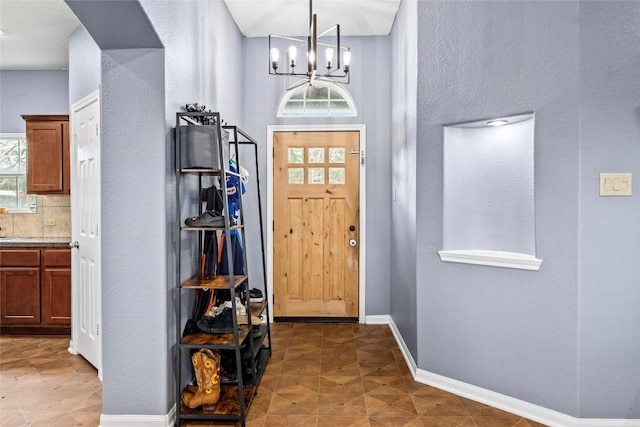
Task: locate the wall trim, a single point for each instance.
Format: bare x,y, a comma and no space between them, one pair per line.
167,420
516,406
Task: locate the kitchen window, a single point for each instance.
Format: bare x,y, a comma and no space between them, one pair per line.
13,174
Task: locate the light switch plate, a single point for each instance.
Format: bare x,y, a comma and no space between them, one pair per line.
615,184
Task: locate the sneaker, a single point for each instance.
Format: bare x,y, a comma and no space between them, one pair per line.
208,219
241,310
255,295
221,322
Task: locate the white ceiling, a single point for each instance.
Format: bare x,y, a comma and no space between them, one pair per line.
259,18
37,31
36,34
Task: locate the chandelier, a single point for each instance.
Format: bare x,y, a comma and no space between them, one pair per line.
335,63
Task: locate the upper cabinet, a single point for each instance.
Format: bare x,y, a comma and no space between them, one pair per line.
47,154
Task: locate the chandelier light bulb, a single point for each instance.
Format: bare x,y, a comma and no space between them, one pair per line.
329,57
293,51
346,57
275,56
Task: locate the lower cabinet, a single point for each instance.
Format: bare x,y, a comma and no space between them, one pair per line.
35,287
20,296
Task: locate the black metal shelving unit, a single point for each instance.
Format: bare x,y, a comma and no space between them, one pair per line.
235,398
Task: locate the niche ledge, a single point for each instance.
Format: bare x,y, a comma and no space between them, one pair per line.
492,258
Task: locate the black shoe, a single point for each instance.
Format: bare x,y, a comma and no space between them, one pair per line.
256,332
223,322
255,295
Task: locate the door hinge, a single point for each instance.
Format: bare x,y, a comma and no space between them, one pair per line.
273,226
97,129
273,299
273,152
97,329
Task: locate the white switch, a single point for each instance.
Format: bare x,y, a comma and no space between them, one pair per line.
615,184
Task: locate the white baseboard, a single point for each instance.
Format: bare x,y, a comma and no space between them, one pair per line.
515,406
139,420
378,319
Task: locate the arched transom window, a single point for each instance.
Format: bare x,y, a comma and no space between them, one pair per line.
323,99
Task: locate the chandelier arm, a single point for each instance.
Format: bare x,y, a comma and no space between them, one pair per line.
313,45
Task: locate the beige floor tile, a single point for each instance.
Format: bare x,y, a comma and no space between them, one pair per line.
342,375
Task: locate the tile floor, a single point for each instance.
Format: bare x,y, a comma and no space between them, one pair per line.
319,375
42,384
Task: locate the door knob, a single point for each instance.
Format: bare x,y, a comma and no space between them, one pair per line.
74,245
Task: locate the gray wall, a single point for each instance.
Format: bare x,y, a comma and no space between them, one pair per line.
566,337
510,331
609,294
84,65
31,92
372,94
141,91
404,69
134,260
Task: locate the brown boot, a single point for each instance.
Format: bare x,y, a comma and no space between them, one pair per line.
206,365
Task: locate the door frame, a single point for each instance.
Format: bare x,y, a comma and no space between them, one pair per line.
361,128
93,97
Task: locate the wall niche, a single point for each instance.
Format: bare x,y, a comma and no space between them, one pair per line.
489,216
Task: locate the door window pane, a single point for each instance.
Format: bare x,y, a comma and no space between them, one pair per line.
316,155
316,175
336,176
336,155
296,176
295,155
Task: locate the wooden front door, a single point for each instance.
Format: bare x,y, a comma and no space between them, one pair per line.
316,227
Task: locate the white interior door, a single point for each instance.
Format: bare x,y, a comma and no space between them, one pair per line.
85,219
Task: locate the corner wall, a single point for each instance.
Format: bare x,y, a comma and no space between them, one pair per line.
510,331
566,337
142,89
372,94
404,69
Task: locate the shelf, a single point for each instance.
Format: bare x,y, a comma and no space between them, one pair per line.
234,227
493,259
204,171
200,339
227,407
219,282
202,153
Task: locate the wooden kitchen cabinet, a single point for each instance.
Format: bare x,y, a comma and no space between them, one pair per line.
48,154
35,286
20,296
20,287
56,287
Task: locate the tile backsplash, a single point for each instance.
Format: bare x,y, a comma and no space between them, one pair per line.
51,219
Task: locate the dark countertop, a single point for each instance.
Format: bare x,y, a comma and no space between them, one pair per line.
34,242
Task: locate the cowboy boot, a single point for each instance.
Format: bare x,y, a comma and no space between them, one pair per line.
206,365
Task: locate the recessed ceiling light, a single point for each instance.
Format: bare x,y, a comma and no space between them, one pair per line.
497,122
